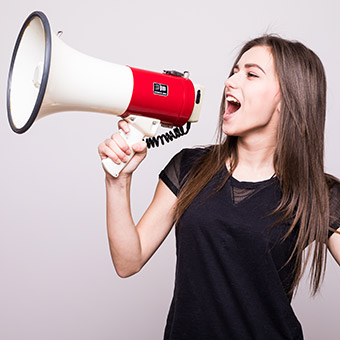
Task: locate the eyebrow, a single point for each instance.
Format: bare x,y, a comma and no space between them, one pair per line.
249,66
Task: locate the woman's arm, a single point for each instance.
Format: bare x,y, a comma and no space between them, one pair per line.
131,246
334,246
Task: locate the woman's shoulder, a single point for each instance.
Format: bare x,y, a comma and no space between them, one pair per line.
187,157
180,164
333,185
189,154
334,200
334,191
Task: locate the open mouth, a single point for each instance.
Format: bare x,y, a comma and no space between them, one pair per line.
232,105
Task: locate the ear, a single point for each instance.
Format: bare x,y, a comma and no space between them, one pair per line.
278,107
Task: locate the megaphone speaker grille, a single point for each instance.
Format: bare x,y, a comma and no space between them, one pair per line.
29,71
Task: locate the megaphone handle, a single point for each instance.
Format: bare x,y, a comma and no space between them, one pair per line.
132,137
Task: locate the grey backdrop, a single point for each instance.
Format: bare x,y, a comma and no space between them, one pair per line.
57,281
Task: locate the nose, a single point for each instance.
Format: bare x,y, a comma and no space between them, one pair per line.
231,82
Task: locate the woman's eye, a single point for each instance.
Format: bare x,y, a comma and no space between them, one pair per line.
252,75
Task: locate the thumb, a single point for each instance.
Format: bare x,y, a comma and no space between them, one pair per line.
139,147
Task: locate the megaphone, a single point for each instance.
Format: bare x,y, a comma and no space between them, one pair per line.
47,76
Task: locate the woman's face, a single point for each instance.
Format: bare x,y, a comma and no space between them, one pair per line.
252,95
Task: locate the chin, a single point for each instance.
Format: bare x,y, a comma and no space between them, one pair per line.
232,132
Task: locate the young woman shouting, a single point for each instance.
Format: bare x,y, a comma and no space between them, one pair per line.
246,208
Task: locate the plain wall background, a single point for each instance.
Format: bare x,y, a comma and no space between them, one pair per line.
57,280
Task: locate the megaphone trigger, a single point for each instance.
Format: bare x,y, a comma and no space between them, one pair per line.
140,127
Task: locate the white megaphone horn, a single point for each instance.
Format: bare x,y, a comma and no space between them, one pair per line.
47,76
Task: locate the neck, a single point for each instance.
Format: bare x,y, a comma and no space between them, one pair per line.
255,157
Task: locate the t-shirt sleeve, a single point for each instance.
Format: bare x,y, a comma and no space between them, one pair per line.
334,208
170,175
174,173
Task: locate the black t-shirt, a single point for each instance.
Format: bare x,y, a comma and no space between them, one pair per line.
232,280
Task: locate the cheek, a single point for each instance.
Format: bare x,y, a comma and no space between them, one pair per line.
264,103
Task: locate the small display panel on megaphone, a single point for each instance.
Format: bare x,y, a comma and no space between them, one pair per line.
47,76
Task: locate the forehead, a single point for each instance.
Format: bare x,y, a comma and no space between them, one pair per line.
260,55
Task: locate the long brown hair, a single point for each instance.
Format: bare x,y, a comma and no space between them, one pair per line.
298,158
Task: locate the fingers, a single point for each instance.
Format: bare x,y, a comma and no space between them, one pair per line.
120,142
114,152
115,148
118,150
140,147
106,152
122,124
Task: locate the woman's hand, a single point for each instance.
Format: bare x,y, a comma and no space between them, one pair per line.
117,149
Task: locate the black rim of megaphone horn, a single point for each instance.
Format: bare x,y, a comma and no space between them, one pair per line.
46,70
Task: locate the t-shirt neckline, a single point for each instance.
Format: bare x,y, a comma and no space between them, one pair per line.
249,184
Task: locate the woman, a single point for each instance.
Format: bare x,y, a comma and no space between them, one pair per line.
246,208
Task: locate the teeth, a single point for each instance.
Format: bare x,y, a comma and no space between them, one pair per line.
232,99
